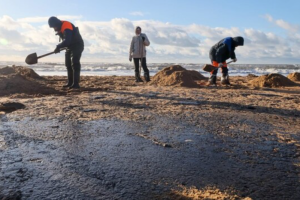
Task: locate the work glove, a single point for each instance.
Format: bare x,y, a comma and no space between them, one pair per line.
234,60
143,39
57,49
220,65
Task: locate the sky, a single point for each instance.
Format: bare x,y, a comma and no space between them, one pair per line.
180,31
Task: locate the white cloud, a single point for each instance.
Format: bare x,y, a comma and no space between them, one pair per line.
108,41
283,24
137,13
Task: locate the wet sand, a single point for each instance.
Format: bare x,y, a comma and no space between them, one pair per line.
115,139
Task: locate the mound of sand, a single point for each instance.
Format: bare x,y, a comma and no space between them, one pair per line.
294,76
271,80
176,75
23,71
251,76
22,80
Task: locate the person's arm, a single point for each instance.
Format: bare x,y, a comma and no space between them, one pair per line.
145,40
131,50
67,41
232,55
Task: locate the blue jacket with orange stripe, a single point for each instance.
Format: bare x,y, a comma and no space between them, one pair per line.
224,49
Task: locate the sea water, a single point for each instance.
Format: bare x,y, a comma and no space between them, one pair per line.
127,69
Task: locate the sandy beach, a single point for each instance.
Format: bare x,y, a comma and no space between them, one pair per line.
117,139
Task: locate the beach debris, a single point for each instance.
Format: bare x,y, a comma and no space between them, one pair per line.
11,107
153,140
271,80
151,94
176,75
99,97
193,103
251,107
294,76
89,110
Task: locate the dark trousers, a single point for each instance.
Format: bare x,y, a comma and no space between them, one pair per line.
137,65
72,58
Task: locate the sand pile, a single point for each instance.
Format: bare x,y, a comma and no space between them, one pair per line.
176,75
23,71
294,76
271,80
22,80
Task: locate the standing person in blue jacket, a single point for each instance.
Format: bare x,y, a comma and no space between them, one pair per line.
72,40
218,55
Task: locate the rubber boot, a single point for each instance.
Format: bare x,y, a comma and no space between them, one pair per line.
137,77
212,80
76,80
147,76
70,78
225,79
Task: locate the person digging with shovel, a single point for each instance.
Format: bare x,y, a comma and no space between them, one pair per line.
137,51
73,42
218,55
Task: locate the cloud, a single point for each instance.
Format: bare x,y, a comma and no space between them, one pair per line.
283,24
137,13
108,41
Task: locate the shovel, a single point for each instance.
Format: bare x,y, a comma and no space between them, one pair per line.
33,58
210,68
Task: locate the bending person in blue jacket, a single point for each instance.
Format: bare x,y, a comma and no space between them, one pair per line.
218,55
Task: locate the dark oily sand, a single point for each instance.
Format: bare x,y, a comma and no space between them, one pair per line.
137,141
11,106
212,150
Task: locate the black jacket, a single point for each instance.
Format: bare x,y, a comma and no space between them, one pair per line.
70,38
68,33
224,49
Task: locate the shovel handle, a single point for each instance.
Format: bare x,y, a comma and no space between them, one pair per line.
228,63
47,54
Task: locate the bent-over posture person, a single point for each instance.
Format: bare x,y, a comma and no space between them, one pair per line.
137,51
72,40
218,55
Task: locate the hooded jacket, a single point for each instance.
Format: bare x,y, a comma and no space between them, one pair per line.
68,33
224,49
138,46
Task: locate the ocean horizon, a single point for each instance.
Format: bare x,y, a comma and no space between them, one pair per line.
127,69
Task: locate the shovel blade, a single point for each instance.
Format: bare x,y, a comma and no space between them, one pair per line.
31,59
209,68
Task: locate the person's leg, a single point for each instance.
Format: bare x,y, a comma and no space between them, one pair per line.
137,70
146,70
76,53
225,77
68,64
213,74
